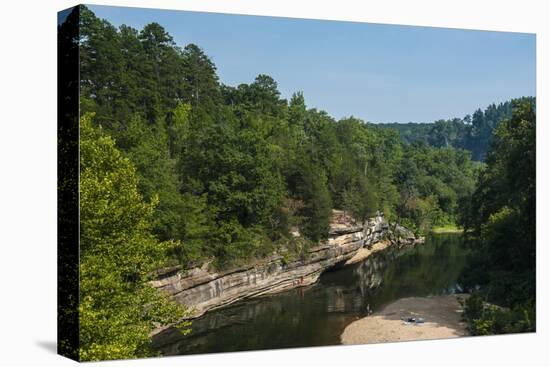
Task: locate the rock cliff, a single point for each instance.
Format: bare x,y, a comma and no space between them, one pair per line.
203,290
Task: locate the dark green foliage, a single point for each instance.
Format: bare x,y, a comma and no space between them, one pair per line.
236,169
472,133
501,216
117,307
229,164
487,319
199,82
432,182
361,199
67,185
310,186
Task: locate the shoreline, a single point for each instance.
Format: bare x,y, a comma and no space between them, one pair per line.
202,289
442,317
363,253
447,229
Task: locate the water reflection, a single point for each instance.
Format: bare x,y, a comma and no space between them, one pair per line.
318,314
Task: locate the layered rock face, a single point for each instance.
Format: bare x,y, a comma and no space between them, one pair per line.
202,290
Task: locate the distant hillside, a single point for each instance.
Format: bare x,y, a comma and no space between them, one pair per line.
473,132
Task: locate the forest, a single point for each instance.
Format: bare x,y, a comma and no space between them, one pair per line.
178,168
500,226
472,132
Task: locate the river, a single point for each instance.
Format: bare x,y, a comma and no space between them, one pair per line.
317,315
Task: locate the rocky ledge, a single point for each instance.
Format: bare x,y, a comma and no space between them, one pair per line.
203,290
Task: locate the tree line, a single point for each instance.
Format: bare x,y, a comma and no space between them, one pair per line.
235,168
472,133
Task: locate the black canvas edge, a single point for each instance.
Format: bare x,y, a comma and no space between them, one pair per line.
68,93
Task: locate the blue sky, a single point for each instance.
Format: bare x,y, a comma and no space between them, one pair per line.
379,73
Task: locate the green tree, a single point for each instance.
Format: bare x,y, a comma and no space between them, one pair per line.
473,132
118,309
241,158
200,81
501,214
309,183
297,109
101,66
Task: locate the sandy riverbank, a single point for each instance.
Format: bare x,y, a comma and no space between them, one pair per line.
442,316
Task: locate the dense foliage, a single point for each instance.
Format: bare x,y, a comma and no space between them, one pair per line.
488,319
473,132
117,308
236,169
501,219
433,181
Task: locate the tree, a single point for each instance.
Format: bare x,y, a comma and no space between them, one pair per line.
361,199
199,78
309,185
101,65
244,161
297,110
473,132
118,309
229,163
501,214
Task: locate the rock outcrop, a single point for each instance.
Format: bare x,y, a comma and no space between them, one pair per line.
203,290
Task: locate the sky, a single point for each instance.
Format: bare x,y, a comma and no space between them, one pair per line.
376,72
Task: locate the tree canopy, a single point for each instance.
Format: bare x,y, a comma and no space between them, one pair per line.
236,168
500,218
473,132
118,254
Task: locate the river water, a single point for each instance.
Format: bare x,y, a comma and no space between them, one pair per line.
317,315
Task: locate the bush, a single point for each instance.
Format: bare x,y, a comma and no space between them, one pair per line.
487,319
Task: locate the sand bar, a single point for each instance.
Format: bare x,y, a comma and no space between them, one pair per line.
442,319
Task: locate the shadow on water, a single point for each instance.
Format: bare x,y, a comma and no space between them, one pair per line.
317,315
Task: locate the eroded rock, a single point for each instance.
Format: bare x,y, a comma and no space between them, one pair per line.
202,290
